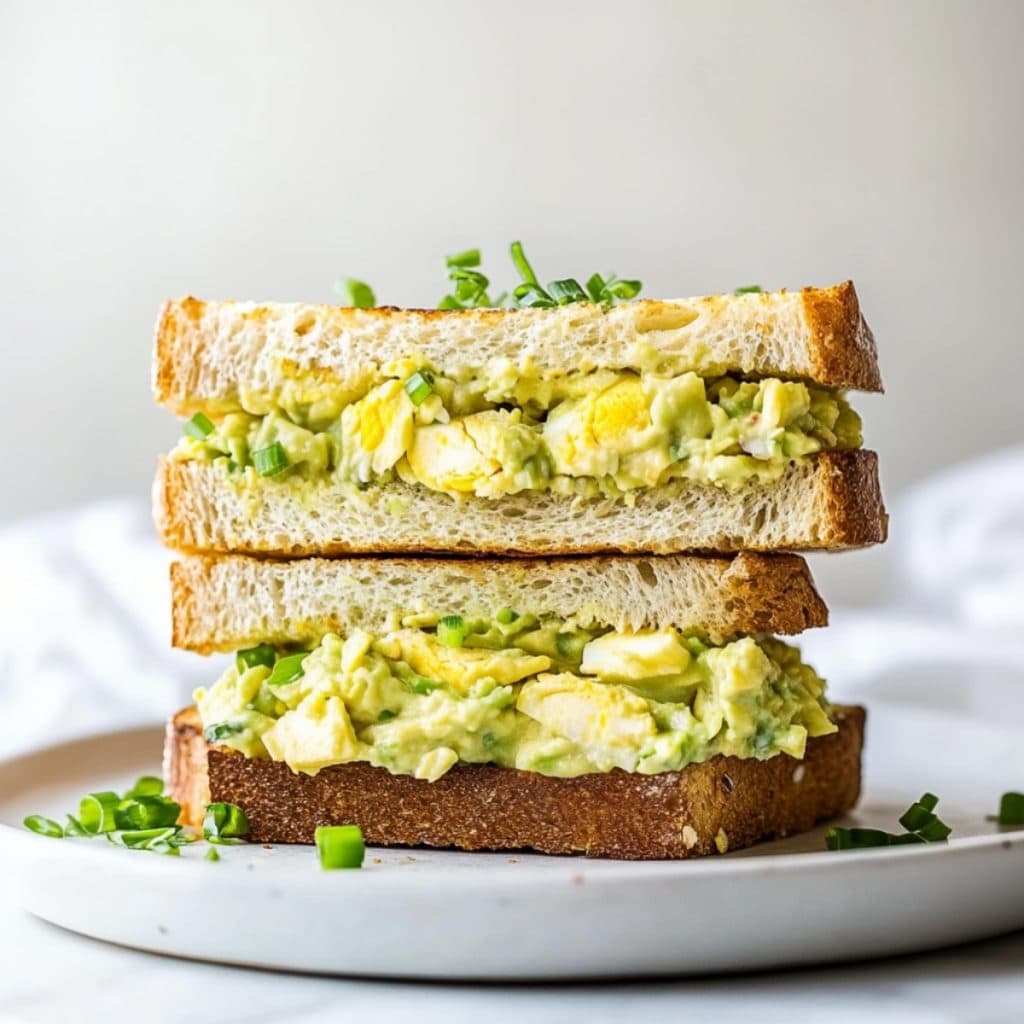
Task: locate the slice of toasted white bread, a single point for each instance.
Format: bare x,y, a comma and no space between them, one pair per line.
211,352
826,501
723,804
232,602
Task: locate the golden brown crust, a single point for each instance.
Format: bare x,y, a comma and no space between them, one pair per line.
843,346
174,346
839,495
774,593
854,511
725,802
226,602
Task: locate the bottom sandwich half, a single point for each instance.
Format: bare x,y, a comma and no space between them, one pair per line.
620,707
726,803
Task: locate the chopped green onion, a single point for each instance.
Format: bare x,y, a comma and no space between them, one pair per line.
617,289
74,827
224,841
470,289
748,289
143,819
219,730
452,631
856,838
386,715
1011,809
596,287
506,616
604,290
271,460
567,291
146,785
920,821
608,291
225,821
522,264
907,839
340,846
355,293
43,826
838,839
470,285
98,812
141,838
532,296
288,669
919,814
469,258
156,840
422,685
419,387
934,832
212,854
264,654
147,812
199,427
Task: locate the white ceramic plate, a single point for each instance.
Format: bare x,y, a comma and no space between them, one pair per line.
438,914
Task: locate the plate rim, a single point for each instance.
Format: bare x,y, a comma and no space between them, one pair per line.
612,871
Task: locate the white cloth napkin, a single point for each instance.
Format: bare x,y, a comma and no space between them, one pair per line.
948,630
85,617
85,627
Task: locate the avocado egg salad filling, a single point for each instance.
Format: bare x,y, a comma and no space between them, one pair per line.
539,695
511,429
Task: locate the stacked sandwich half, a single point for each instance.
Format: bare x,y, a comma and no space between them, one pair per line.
384,511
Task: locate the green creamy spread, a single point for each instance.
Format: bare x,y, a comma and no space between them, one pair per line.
541,696
603,432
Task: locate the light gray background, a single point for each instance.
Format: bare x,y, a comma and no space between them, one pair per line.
258,150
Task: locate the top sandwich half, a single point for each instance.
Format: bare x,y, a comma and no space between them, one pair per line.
715,424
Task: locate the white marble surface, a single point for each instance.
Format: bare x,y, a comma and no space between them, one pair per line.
48,976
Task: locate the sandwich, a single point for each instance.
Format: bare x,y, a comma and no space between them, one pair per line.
627,707
715,424
636,700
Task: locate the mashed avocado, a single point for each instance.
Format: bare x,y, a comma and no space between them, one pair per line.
509,430
541,696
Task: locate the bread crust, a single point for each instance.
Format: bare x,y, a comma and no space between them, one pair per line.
828,501
725,803
225,603
209,352
186,778
844,346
